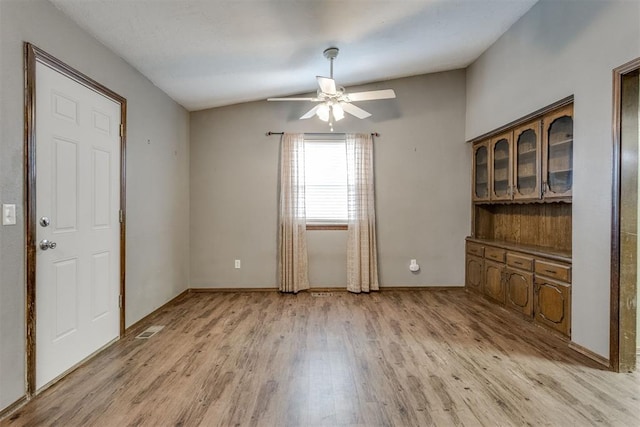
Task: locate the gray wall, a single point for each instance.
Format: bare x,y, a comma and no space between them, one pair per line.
157,174
422,173
558,49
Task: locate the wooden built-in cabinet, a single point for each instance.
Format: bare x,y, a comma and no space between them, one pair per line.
530,162
519,251
523,279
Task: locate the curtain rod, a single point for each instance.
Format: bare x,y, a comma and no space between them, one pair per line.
317,133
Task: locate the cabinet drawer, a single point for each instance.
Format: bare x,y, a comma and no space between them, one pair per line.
475,249
520,261
495,254
555,271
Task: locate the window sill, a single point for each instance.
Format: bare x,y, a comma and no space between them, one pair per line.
327,227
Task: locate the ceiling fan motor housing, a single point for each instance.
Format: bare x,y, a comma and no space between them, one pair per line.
331,52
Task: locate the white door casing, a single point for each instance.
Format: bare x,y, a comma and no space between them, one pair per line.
78,189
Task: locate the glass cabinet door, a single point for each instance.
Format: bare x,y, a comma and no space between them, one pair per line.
527,161
481,172
558,164
501,167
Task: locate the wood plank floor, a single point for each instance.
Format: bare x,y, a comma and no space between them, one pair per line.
404,358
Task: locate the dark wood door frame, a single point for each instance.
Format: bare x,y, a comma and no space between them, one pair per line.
32,55
622,345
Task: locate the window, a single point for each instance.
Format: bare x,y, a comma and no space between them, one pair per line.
326,182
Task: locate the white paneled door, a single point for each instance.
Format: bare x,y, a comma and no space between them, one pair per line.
78,227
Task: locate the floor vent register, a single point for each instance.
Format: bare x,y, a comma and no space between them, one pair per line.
149,332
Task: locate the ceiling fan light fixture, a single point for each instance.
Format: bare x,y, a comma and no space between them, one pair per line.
338,112
323,112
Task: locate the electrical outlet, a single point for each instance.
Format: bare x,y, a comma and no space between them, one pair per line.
237,264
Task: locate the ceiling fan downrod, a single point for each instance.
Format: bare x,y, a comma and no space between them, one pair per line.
331,54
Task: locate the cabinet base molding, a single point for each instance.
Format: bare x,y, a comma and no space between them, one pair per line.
590,354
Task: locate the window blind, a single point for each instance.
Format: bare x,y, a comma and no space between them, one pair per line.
326,181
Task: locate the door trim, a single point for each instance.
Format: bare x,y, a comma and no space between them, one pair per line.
621,314
32,55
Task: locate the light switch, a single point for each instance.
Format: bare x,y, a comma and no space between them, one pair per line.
8,214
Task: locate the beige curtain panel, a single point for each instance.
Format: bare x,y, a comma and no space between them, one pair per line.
362,258
292,238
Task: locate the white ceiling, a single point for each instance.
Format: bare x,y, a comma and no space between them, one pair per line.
209,53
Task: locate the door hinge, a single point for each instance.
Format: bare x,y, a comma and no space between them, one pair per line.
120,301
121,213
121,129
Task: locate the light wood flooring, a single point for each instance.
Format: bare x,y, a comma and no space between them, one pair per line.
403,358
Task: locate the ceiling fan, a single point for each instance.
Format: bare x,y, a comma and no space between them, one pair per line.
333,99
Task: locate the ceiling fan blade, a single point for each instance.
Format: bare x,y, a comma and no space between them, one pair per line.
293,99
327,85
310,113
371,95
355,111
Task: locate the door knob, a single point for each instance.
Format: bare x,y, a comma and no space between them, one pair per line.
46,244
45,221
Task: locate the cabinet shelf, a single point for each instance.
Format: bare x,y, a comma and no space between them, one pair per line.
561,143
500,159
561,172
527,177
529,153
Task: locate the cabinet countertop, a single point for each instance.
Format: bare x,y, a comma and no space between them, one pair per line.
541,251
